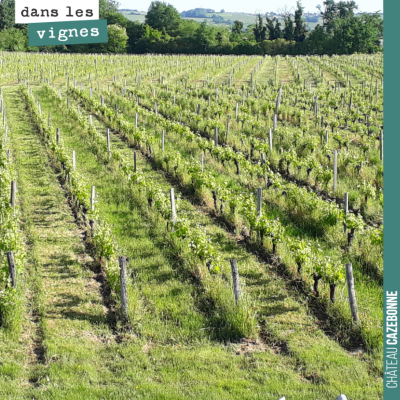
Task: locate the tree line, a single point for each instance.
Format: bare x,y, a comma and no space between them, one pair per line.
164,31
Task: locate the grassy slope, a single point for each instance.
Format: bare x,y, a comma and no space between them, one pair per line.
81,359
290,321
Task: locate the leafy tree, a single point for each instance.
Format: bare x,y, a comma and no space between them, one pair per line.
7,14
187,28
273,28
163,17
204,37
332,11
135,30
237,27
107,7
236,30
117,39
288,30
219,38
222,11
260,31
300,27
13,39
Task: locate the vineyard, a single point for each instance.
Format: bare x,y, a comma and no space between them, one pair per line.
206,227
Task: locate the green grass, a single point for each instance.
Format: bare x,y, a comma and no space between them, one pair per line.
174,350
286,318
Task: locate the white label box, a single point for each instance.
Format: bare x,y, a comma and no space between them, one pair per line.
32,11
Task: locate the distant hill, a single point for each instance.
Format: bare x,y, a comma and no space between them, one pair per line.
211,17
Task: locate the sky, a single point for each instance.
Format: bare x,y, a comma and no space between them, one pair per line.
248,6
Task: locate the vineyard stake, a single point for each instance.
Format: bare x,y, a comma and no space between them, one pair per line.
216,136
108,142
162,140
12,269
235,279
124,293
270,140
173,208
346,209
352,292
92,197
381,145
334,170
13,194
134,161
259,201
73,159
236,111
202,161
57,136
227,127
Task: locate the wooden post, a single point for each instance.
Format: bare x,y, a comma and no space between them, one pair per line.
73,159
227,127
202,161
381,145
57,136
12,269
259,201
351,292
108,142
134,162
216,136
13,194
326,137
48,119
345,209
155,108
278,100
124,292
198,109
334,170
237,111
270,139
90,119
235,279
275,121
173,208
162,140
92,197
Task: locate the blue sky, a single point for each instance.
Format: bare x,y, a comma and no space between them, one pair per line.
248,6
